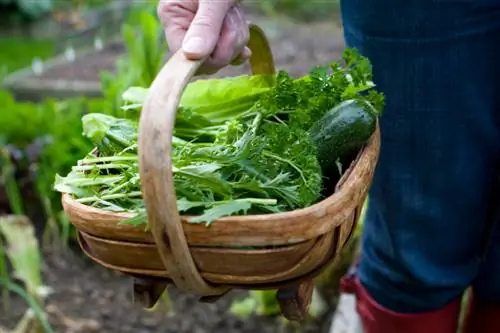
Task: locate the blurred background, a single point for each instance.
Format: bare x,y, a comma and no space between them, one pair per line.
60,59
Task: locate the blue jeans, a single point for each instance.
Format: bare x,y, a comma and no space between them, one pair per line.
438,63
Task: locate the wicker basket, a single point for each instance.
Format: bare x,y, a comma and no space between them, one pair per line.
289,248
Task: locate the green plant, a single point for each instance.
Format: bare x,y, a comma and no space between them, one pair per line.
79,4
22,251
38,140
263,303
45,137
300,9
145,49
137,8
18,52
8,180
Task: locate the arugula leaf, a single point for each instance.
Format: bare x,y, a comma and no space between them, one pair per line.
218,211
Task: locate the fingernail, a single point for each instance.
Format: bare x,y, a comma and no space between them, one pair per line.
194,45
247,53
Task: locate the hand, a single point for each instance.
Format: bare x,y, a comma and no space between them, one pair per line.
211,29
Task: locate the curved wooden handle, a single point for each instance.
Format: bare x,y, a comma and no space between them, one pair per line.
155,149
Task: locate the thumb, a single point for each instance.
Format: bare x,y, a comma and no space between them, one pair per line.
203,33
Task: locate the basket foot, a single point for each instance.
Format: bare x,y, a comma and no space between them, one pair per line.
213,298
148,291
294,301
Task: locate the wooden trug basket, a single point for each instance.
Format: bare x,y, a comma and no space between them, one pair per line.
290,248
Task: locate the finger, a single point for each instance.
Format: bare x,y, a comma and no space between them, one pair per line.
223,52
205,29
233,39
175,35
227,46
245,54
243,24
175,19
242,57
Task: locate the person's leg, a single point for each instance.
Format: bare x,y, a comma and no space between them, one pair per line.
483,312
435,61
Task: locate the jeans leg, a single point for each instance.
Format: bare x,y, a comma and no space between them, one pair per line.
437,61
487,283
483,311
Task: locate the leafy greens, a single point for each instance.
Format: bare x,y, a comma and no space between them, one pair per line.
240,146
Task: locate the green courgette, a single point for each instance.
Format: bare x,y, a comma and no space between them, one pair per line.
341,133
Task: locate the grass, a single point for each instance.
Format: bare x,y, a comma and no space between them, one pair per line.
18,52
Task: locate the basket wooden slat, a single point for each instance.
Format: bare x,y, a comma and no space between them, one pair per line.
217,265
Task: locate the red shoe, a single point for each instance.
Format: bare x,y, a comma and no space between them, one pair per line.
482,317
377,319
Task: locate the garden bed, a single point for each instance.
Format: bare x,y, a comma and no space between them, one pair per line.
63,79
296,47
24,42
70,25
88,298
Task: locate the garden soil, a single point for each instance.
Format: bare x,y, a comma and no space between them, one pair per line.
88,298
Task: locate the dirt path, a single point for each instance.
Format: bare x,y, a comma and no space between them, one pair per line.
87,298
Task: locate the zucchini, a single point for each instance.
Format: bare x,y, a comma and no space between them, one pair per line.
341,133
